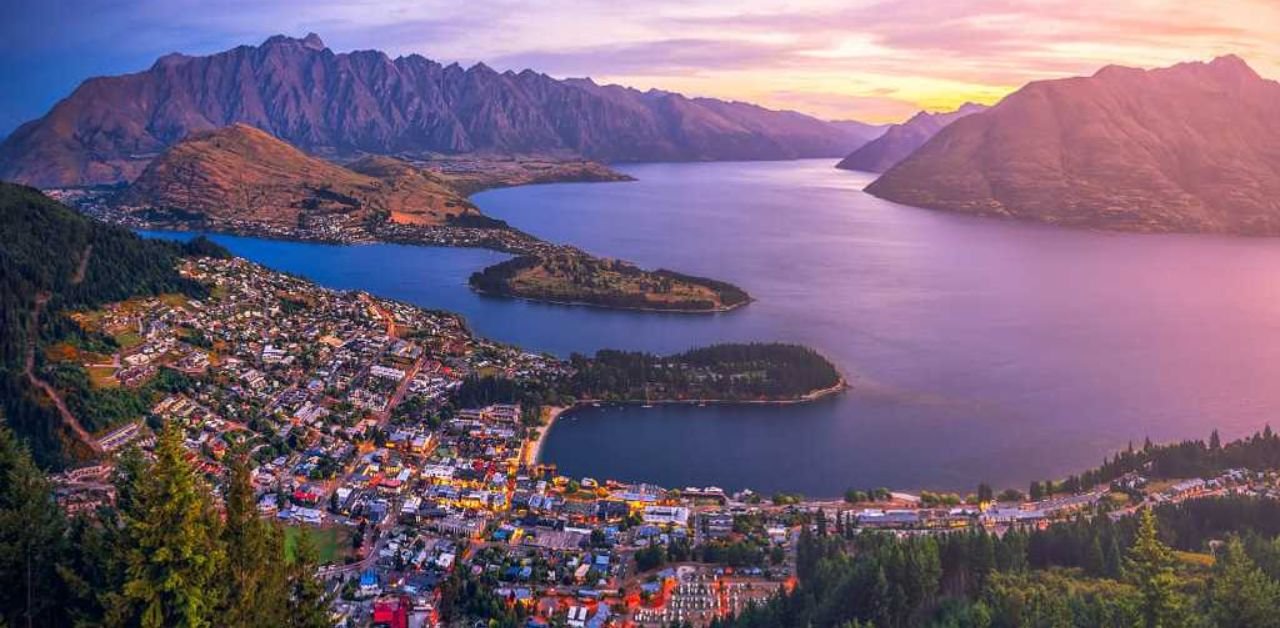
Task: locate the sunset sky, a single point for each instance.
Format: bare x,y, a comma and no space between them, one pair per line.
876,61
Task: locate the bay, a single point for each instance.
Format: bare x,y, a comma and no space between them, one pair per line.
978,350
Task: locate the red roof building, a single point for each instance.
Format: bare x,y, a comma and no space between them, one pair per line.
391,612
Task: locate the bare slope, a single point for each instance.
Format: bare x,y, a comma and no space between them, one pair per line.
1194,147
241,173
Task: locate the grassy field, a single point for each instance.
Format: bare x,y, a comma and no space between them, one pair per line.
103,376
1118,499
1195,558
173,300
128,340
332,544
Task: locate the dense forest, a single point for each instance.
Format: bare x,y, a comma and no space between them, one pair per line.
729,372
162,556
52,254
1185,459
495,279
737,372
580,278
1090,572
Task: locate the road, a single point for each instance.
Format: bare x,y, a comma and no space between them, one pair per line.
68,419
375,534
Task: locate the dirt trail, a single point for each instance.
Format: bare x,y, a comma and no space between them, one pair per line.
33,331
83,267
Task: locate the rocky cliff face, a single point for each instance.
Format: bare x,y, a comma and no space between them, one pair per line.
900,140
331,104
241,173
1193,147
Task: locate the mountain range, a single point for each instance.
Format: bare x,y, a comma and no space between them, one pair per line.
900,140
344,105
1193,147
241,173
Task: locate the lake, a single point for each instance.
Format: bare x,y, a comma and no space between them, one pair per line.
977,349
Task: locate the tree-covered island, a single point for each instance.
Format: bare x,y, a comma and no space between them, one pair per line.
751,372
569,276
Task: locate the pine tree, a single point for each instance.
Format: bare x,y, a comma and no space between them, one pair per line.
1150,568
982,556
175,557
95,570
1240,594
985,493
308,604
259,589
32,541
1095,561
1114,557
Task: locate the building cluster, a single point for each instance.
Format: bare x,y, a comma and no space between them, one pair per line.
350,410
353,411
319,226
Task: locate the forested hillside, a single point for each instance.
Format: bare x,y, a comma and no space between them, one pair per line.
1185,459
53,260
1212,562
738,372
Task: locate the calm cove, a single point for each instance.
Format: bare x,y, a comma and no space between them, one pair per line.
977,349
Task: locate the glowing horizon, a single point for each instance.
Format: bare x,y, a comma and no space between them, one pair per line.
870,60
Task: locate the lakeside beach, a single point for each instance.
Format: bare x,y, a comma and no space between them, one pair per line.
533,454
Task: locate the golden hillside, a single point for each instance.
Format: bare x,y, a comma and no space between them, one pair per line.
243,173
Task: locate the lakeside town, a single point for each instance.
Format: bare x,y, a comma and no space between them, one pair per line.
366,426
333,229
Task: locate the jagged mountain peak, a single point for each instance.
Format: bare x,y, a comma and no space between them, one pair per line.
311,41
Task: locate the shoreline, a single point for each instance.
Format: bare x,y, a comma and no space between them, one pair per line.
533,454
809,397
620,308
202,230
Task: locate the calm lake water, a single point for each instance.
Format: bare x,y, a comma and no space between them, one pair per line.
978,349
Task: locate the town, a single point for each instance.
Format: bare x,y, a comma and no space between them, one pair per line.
369,425
471,232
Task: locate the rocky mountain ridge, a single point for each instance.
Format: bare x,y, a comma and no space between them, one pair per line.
342,105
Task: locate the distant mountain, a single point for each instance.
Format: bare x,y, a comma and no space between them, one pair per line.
861,132
900,140
243,173
1193,147
343,105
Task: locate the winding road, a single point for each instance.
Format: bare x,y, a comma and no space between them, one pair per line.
33,331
